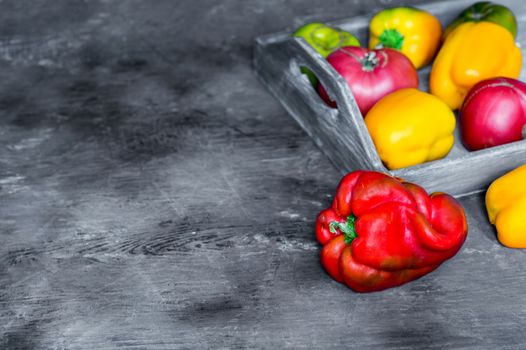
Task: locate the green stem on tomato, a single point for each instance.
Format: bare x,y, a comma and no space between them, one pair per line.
370,61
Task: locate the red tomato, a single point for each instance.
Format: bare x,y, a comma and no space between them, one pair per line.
371,74
493,113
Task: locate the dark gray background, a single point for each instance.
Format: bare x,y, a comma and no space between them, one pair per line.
155,196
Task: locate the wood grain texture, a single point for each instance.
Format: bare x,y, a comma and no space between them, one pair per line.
341,133
154,195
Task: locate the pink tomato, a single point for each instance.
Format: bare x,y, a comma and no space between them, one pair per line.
371,74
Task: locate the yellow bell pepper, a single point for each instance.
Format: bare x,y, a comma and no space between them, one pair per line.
506,207
409,127
471,53
416,33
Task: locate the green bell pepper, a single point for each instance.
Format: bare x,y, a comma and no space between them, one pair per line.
324,40
485,11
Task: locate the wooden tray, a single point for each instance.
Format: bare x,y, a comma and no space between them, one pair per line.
341,133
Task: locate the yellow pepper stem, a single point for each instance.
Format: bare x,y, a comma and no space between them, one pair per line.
391,38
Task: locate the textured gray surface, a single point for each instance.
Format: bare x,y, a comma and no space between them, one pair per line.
155,196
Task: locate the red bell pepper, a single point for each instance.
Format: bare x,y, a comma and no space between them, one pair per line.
381,232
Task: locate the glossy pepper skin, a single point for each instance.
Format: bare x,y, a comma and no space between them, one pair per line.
471,53
506,207
409,127
488,12
416,33
324,39
381,232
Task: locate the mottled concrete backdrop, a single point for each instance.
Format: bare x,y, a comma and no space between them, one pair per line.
155,196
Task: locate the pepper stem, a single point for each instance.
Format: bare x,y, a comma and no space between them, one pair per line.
391,38
347,228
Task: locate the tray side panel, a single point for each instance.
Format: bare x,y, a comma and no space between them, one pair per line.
334,131
466,175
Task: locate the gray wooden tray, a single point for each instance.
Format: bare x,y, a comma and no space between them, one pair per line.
341,133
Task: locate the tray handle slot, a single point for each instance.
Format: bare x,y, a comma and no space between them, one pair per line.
346,119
